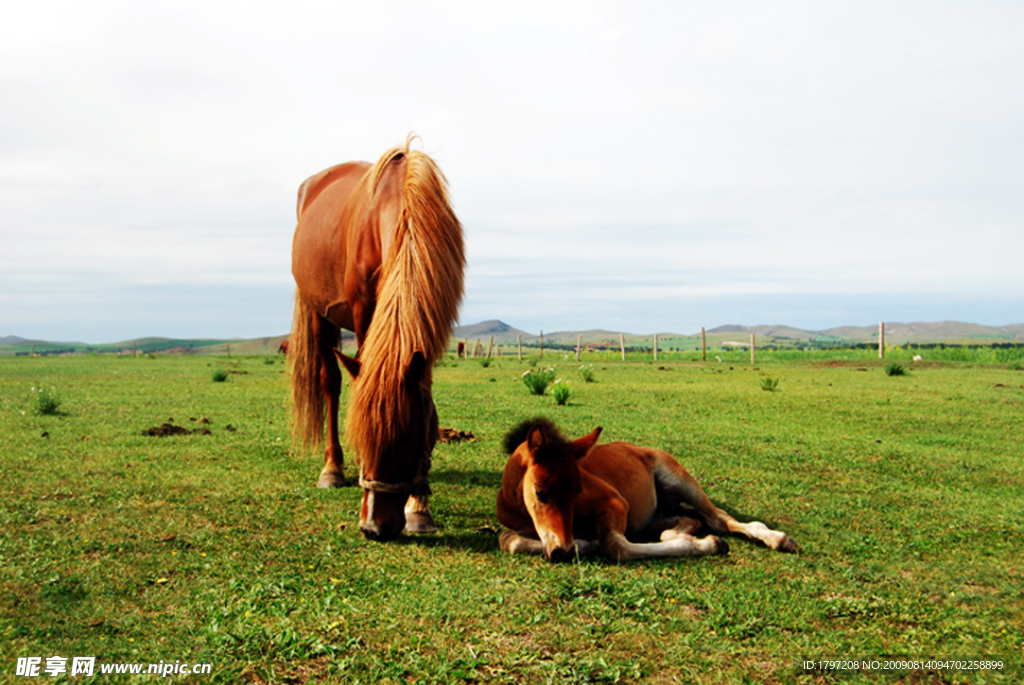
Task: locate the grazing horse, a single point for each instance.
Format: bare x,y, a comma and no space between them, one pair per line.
378,251
283,347
559,496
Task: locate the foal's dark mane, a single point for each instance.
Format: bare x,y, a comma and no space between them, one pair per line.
517,434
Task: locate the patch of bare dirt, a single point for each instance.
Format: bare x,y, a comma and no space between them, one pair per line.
165,429
454,435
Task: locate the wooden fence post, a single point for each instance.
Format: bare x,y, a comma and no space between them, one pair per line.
542,344
228,346
703,344
622,345
519,345
579,339
881,340
753,357
490,347
655,347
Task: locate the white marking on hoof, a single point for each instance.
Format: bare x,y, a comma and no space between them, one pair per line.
420,522
331,479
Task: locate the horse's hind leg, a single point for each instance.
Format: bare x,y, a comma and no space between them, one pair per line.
327,336
675,487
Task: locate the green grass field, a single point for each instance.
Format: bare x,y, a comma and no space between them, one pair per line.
905,495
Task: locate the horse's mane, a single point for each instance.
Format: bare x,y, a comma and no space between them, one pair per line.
516,435
418,294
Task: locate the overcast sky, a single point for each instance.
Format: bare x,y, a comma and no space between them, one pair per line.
631,166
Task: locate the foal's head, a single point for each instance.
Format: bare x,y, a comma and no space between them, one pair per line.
551,481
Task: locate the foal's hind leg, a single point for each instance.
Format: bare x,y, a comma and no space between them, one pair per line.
327,336
676,486
676,526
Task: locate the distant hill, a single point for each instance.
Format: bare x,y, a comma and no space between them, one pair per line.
896,333
505,334
943,331
502,332
139,345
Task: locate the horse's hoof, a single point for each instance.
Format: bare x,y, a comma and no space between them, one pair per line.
787,545
419,523
331,479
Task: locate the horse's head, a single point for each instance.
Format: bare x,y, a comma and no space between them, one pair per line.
551,483
396,463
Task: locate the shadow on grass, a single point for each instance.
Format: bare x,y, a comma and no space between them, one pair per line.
481,542
468,477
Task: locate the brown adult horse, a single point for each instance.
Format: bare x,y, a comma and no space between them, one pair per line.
558,497
378,251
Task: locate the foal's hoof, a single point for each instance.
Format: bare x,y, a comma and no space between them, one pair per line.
787,545
506,539
331,479
420,522
721,546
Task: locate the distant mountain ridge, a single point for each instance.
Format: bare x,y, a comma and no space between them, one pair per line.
896,333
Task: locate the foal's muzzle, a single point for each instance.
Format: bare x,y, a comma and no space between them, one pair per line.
559,555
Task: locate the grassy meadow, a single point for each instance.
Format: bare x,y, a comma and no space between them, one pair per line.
904,493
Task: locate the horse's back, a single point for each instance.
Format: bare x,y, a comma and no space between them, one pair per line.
348,173
320,248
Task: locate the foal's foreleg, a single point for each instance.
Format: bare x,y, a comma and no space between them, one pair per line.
515,542
676,486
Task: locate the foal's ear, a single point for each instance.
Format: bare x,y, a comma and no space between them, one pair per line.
536,438
351,365
417,368
582,446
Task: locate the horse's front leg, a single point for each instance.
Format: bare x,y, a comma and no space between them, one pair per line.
418,518
327,335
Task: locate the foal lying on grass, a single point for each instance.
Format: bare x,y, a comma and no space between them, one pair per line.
559,497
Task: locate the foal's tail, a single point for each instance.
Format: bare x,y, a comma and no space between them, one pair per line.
304,361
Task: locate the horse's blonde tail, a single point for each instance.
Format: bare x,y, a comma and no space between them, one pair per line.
304,362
